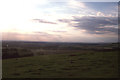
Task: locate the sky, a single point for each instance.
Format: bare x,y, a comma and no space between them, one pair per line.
59,21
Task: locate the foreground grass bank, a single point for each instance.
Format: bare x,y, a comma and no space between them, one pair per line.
74,65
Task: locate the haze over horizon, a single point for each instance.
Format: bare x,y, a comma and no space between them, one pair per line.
66,21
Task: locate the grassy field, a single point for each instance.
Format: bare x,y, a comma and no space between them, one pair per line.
87,64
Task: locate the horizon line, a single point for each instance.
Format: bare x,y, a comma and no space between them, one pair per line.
55,42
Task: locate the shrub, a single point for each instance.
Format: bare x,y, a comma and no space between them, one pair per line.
15,53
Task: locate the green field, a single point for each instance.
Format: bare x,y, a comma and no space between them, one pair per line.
87,64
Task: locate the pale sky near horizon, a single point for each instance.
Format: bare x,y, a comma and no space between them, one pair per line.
65,21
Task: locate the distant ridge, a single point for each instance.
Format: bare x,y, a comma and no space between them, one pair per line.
61,42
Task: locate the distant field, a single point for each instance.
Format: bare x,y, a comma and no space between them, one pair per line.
17,49
59,60
74,65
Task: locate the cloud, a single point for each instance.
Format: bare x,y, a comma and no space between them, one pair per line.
60,31
44,21
65,20
18,36
94,25
35,36
48,36
76,4
42,33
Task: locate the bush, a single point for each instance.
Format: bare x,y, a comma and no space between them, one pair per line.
15,53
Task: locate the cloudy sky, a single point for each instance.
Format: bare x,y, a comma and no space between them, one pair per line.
59,21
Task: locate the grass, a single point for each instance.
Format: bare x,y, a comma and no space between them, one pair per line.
73,65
